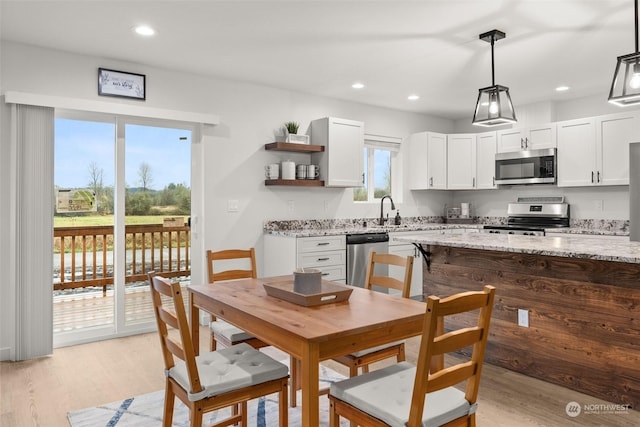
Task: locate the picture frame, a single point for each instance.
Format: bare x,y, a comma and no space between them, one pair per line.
121,84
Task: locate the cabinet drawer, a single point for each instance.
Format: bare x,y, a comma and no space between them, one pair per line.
334,272
322,243
320,259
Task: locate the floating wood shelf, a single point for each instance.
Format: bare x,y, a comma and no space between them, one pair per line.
299,148
295,182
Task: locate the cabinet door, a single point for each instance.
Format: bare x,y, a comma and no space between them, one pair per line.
486,160
416,274
418,161
461,161
614,133
539,137
510,140
437,161
576,155
346,147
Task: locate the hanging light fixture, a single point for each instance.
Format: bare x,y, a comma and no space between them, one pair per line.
494,105
625,87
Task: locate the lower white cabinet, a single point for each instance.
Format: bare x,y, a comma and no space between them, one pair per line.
283,254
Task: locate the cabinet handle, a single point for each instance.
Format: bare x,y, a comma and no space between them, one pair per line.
474,183
322,243
494,180
526,142
592,177
598,176
431,182
323,259
324,274
362,178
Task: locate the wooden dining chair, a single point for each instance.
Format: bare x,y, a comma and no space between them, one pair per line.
362,359
383,397
225,378
221,331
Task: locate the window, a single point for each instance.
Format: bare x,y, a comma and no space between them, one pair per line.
381,167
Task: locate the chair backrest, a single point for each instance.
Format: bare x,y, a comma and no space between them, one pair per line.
387,281
169,318
230,274
436,343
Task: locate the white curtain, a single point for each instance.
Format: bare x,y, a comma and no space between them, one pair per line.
32,229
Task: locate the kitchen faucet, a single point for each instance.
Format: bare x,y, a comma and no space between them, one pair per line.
393,207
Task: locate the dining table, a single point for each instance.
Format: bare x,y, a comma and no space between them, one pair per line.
309,334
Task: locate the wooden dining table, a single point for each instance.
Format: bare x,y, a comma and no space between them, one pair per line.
308,334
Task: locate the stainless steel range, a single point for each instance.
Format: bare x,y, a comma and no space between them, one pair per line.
531,215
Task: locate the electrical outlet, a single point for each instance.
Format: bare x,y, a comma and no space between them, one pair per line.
291,206
598,205
523,318
232,206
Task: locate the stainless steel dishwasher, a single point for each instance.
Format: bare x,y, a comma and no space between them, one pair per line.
358,248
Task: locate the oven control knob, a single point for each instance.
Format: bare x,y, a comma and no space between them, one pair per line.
511,232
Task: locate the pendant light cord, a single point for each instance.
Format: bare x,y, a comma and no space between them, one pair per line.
493,74
636,8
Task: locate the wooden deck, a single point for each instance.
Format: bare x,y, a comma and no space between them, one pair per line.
88,309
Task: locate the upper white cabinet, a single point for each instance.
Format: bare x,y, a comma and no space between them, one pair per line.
486,160
595,151
529,138
342,161
461,161
428,161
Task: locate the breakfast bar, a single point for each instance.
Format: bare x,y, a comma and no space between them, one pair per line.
567,309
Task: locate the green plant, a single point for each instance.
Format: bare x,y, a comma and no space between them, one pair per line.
292,127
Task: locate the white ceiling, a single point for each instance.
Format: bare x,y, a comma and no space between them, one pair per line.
396,48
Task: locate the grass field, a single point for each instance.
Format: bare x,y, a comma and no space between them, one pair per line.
81,221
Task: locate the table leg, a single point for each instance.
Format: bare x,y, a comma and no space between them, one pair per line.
310,386
194,323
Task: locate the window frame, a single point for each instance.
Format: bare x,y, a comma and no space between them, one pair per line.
393,146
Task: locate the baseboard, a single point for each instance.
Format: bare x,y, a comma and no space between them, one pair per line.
5,354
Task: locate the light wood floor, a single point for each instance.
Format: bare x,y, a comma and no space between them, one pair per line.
41,392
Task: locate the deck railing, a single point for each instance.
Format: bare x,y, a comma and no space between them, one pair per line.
83,256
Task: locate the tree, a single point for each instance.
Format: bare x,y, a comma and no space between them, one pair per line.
95,177
144,173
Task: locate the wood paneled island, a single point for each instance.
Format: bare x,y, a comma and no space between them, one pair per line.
581,297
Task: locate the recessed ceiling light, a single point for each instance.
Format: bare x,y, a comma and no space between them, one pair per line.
413,97
144,30
562,88
357,85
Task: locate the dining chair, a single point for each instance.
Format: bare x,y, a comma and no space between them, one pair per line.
225,378
384,397
362,359
221,331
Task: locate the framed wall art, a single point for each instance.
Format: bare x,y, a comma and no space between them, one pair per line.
121,84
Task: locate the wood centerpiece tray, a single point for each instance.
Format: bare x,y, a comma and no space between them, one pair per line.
329,293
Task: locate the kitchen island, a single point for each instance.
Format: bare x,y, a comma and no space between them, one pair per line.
567,309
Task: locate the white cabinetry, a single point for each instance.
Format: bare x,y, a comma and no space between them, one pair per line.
283,254
530,138
342,161
461,161
486,160
408,249
595,151
428,161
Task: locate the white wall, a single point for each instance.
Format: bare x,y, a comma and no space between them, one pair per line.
233,152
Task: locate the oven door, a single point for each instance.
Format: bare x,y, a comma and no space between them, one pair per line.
526,167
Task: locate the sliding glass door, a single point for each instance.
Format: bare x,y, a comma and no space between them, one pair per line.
122,209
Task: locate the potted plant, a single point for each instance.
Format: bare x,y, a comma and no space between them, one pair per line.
291,134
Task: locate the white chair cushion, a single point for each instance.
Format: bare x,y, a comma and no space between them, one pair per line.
386,394
374,349
230,332
229,369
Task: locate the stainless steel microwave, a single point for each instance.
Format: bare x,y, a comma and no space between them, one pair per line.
526,167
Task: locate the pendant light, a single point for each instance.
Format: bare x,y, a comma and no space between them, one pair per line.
625,87
494,105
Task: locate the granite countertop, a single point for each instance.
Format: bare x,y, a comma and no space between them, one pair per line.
617,250
312,232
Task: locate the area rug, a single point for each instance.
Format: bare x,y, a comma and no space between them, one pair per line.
146,410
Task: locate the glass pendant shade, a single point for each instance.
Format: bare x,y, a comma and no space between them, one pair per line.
494,107
625,88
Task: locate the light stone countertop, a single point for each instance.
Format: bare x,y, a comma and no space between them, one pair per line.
308,232
617,250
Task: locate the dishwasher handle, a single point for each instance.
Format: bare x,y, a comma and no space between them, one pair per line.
363,238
